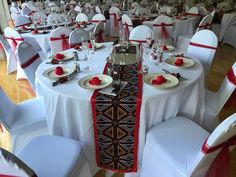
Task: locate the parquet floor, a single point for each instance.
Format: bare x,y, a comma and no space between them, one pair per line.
225,57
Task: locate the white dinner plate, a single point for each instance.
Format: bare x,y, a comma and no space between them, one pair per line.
106,81
187,62
171,80
50,73
68,55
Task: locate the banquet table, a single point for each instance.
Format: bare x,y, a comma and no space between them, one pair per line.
68,105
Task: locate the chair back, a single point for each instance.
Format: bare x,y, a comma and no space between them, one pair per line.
138,34
134,5
202,11
22,21
215,150
192,11
213,13
7,109
203,46
140,12
162,28
29,60
54,18
98,10
76,37
13,37
59,39
78,9
114,13
98,17
99,32
25,11
72,14
81,17
127,25
205,23
39,16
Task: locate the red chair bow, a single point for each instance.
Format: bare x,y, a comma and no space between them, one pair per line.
221,164
29,61
202,45
126,29
99,36
164,32
14,41
205,26
231,76
116,21
64,41
96,21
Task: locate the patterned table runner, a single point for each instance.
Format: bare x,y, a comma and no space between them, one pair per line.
116,122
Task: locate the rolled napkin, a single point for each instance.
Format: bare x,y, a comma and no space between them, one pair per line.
164,47
159,80
95,81
59,70
59,56
179,61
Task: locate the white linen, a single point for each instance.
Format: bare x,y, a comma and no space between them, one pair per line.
69,108
227,20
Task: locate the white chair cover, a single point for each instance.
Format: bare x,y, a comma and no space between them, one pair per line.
76,37
163,28
99,32
78,9
127,26
140,12
11,58
29,60
81,17
216,100
45,155
98,17
135,4
25,11
192,11
203,46
202,11
98,10
138,34
24,120
189,154
55,18
22,21
59,39
114,21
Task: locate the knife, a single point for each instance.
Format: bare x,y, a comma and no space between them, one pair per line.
177,75
62,80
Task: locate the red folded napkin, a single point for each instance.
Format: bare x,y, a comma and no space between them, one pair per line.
90,45
164,47
179,61
95,81
59,56
159,80
59,70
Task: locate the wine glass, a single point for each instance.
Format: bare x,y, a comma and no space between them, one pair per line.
86,51
149,38
92,40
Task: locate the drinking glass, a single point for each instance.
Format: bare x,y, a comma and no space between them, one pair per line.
149,38
86,52
92,40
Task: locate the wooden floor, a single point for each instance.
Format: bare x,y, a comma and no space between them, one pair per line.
225,57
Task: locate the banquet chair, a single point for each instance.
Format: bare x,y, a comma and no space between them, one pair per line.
127,25
22,21
23,120
76,36
59,39
98,17
216,100
39,16
114,13
140,12
138,34
25,11
203,46
183,40
81,17
78,9
162,29
55,156
72,14
29,60
193,11
98,10
99,32
11,57
14,38
181,148
202,11
54,19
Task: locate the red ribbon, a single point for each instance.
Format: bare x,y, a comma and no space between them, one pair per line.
220,165
14,43
23,25
30,61
139,41
5,175
206,26
202,46
64,42
116,22
231,76
96,21
192,14
99,36
164,32
126,29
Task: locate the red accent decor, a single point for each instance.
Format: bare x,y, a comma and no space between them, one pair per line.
116,21
126,29
96,21
64,41
139,41
75,44
164,32
223,157
14,43
30,61
99,36
231,76
206,26
202,46
4,175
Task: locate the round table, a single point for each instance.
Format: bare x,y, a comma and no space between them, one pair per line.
69,108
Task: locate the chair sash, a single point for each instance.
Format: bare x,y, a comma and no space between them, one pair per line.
206,26
221,164
14,41
202,46
231,76
126,29
29,61
164,32
64,41
99,36
139,41
96,21
192,14
116,21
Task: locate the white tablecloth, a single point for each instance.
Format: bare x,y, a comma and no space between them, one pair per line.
69,108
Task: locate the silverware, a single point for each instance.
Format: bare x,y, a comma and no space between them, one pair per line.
166,71
62,80
116,87
177,75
